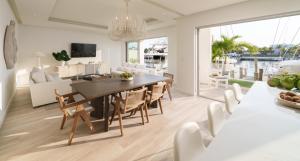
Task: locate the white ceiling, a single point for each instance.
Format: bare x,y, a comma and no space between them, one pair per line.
97,14
188,7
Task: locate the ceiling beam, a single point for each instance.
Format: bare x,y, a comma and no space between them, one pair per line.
79,23
13,6
163,7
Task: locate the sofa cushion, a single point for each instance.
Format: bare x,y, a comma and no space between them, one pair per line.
131,65
119,69
124,64
52,77
126,69
35,69
140,66
38,76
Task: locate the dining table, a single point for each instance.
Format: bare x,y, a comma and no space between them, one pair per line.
260,129
99,91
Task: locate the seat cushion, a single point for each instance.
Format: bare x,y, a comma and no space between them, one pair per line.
130,106
134,105
154,97
72,111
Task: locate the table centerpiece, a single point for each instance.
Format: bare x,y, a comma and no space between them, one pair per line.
126,76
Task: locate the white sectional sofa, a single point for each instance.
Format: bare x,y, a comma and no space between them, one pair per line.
134,68
42,86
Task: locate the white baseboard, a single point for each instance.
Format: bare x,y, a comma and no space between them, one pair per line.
4,112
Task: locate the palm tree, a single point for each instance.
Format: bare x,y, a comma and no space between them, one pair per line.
221,48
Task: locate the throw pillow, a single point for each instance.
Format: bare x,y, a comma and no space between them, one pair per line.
34,69
38,77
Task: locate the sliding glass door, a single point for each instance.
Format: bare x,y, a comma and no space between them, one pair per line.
153,53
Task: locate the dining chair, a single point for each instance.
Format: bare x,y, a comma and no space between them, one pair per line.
216,117
156,93
230,101
169,83
188,142
237,92
73,109
134,100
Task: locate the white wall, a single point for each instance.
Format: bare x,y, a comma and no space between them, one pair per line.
48,40
204,51
7,78
249,10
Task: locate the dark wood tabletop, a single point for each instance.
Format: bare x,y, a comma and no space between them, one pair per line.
99,88
98,91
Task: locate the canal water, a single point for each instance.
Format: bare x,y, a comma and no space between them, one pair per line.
270,67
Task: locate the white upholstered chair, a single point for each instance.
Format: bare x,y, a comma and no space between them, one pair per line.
230,101
238,92
188,142
216,117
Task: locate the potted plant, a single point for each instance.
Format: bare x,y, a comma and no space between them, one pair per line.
61,56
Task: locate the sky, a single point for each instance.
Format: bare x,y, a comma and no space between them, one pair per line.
262,33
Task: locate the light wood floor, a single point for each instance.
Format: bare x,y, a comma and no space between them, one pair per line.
33,134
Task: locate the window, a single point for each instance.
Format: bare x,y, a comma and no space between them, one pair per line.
153,53
132,52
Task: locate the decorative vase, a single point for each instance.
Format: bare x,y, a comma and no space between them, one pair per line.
63,63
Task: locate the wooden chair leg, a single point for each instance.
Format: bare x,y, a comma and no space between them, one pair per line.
73,129
112,116
169,92
161,110
142,115
120,121
134,112
63,122
82,118
131,113
146,112
112,97
87,120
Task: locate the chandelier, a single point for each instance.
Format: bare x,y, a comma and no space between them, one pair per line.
127,27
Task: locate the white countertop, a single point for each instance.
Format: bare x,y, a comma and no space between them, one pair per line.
258,130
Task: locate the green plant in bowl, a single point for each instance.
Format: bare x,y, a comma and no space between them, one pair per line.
126,76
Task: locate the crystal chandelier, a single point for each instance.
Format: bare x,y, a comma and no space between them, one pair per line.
127,27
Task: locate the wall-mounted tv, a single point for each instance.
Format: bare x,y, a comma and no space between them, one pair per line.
83,50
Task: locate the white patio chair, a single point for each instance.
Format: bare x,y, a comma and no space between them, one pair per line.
230,101
238,92
188,142
216,117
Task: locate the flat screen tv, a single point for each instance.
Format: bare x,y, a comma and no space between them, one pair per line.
83,50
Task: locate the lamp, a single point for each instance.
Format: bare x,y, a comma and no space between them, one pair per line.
39,54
